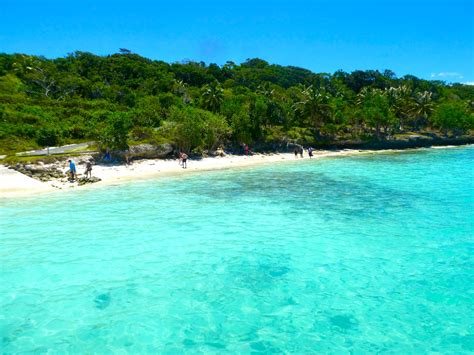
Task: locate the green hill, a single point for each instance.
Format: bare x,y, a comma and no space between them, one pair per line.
124,99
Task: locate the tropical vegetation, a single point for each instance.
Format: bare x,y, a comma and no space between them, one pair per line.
124,99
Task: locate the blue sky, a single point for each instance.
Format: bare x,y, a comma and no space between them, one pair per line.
429,39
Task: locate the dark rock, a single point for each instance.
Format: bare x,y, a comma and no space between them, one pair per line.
84,180
148,151
219,152
278,271
34,168
102,301
343,321
39,171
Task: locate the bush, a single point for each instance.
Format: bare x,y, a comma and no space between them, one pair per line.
215,130
185,128
77,132
453,116
114,134
194,129
275,134
48,136
301,135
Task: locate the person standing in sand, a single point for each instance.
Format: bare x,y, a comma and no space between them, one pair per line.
180,158
72,169
301,151
107,156
88,172
127,158
184,159
310,152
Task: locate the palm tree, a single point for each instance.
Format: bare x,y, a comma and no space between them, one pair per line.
212,97
366,94
314,106
401,103
379,108
181,89
374,107
275,113
266,90
422,107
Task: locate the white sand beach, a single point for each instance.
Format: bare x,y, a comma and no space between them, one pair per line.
15,184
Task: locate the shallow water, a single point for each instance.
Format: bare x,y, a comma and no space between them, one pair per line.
363,254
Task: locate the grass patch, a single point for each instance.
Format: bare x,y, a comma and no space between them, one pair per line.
46,159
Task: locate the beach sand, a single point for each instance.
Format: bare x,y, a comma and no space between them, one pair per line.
15,184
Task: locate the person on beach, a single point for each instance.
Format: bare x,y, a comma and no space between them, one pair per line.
220,152
296,152
88,172
310,152
72,169
107,156
184,159
127,158
301,152
246,149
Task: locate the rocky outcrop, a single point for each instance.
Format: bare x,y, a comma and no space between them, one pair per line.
406,141
399,141
39,171
147,151
84,180
219,152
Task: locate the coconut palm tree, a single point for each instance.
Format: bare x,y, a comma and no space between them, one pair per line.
265,90
212,96
314,106
422,108
401,102
374,108
366,94
181,89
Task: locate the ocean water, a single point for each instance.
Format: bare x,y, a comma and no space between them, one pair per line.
366,254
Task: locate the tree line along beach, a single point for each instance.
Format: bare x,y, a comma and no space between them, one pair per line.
137,108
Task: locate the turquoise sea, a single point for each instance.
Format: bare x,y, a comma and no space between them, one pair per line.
363,254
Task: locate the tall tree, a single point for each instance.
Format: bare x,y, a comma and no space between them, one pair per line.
375,110
314,106
423,107
212,96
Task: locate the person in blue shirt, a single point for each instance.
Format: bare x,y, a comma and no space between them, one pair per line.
72,169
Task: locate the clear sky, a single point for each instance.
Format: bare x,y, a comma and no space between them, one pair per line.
429,39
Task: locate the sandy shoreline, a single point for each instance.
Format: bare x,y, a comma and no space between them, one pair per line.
14,184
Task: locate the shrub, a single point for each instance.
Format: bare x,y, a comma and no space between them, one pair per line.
453,116
48,136
114,133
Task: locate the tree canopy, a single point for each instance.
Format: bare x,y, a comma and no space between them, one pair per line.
124,98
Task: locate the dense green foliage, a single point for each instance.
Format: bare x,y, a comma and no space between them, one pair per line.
125,98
